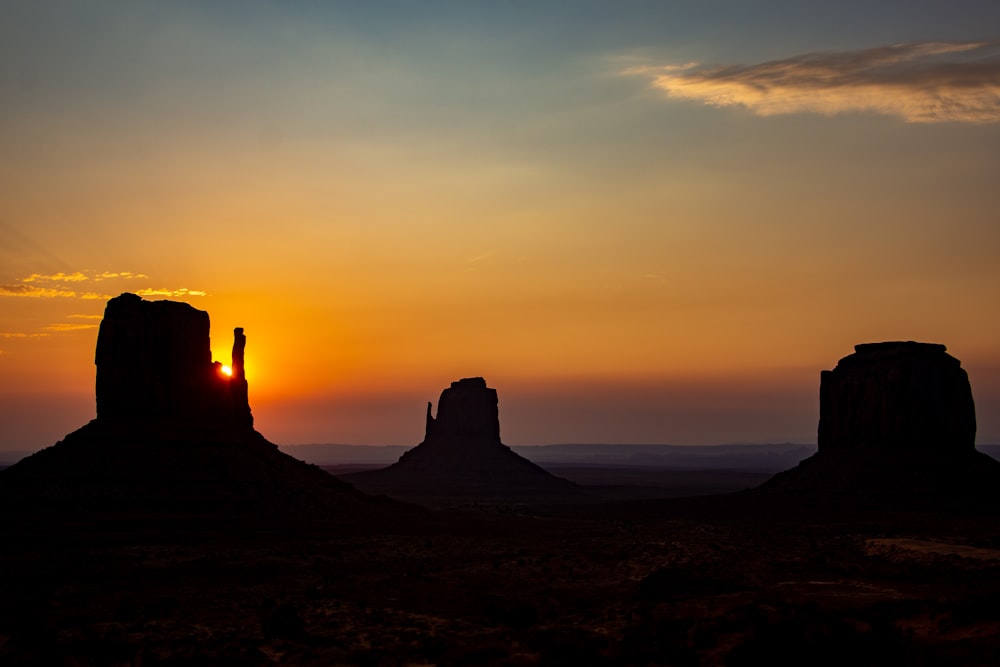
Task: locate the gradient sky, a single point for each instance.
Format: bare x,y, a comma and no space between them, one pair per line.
642,222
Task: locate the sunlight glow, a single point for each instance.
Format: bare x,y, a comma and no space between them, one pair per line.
226,370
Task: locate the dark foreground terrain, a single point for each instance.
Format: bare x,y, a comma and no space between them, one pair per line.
735,580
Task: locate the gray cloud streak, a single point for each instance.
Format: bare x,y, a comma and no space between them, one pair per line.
923,82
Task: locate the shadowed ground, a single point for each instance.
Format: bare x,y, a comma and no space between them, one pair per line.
715,580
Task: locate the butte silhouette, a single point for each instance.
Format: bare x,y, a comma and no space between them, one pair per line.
173,433
897,427
462,456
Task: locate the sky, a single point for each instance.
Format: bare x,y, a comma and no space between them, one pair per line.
641,222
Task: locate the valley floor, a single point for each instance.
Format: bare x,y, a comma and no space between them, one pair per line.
666,582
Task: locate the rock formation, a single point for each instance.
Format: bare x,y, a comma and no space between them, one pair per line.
897,397
897,421
462,455
466,430
467,409
173,434
154,362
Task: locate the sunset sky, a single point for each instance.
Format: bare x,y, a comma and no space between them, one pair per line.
641,222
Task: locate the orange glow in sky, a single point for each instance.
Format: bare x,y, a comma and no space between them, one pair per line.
629,245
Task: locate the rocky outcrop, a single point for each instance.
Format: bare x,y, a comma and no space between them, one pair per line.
897,397
154,361
462,456
897,427
174,436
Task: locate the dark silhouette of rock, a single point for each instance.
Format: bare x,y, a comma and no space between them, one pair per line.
173,434
154,361
897,397
897,426
462,455
467,409
238,387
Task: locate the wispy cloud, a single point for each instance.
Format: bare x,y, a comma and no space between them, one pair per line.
25,290
923,82
69,326
56,277
55,285
80,276
184,291
52,286
19,334
59,286
123,275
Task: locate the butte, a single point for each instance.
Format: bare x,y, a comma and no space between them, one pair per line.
462,457
897,428
174,436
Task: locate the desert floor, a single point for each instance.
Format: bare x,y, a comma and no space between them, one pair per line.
712,580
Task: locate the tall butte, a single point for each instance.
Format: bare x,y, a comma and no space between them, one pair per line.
462,456
174,434
898,424
154,364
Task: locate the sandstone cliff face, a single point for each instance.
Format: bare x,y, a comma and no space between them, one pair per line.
897,397
154,361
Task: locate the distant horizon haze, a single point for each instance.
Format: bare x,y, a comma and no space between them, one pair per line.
531,413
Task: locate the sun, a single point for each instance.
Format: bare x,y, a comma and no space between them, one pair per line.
226,370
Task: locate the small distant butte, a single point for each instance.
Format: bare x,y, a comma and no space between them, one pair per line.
462,456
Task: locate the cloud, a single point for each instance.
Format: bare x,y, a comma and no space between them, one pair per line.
124,275
34,292
56,277
39,285
184,291
19,334
925,82
69,326
50,286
